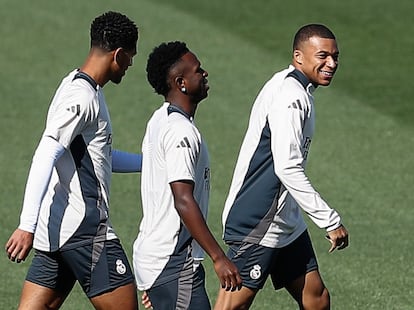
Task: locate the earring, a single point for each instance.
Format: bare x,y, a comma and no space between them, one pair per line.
183,89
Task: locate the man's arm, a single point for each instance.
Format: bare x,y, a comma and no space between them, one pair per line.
288,140
193,219
126,162
47,153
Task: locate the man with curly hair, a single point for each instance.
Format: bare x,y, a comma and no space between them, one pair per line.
175,186
66,203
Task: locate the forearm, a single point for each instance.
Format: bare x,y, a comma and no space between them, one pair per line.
293,177
126,162
290,146
47,152
196,225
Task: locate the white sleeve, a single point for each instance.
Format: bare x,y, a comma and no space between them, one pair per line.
126,162
287,140
181,145
47,153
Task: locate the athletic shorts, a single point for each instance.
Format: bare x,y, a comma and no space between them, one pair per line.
99,268
185,292
256,262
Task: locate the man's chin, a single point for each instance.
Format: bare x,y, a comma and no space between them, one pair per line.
116,81
325,82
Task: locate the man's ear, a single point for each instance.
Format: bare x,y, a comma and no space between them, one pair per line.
118,56
179,82
298,56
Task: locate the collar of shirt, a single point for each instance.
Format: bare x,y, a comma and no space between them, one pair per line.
173,108
302,79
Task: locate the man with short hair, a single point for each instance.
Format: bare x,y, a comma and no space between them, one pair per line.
175,186
65,212
262,218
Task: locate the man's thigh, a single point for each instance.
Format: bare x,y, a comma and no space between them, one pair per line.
294,261
255,264
99,267
185,292
48,270
123,297
253,261
199,298
38,297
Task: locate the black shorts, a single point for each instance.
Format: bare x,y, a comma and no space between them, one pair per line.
256,262
99,268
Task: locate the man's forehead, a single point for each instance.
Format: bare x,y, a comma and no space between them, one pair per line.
187,61
189,57
322,44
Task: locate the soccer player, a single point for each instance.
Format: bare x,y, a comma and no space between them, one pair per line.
66,202
262,218
175,185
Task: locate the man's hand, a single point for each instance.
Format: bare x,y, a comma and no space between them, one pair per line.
338,238
145,300
19,245
228,274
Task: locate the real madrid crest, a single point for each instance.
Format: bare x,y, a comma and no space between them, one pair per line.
255,273
120,267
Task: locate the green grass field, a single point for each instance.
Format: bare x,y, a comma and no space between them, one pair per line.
361,158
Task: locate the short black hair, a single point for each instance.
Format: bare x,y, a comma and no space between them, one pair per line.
311,30
113,30
160,62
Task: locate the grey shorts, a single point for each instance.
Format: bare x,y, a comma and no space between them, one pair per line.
256,262
99,268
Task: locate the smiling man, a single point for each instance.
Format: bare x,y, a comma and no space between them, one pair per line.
262,218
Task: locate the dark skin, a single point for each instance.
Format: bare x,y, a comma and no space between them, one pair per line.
103,66
317,59
188,86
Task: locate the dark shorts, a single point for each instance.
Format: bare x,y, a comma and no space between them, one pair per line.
185,292
99,268
256,262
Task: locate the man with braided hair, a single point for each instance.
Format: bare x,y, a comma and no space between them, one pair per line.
65,215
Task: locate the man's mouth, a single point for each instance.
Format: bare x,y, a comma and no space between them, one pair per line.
327,73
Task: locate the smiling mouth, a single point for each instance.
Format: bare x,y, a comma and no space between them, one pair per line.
327,73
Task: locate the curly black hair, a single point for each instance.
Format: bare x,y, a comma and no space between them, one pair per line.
160,61
112,30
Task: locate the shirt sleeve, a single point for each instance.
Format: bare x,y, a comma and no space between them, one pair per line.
44,159
182,147
70,112
286,125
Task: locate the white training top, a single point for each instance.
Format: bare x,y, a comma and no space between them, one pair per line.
269,184
172,150
74,210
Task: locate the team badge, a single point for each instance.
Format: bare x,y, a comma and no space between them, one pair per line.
255,273
120,266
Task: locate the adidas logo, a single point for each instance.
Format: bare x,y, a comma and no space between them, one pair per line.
184,143
74,109
296,105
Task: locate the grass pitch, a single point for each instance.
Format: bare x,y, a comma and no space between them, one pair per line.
360,160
